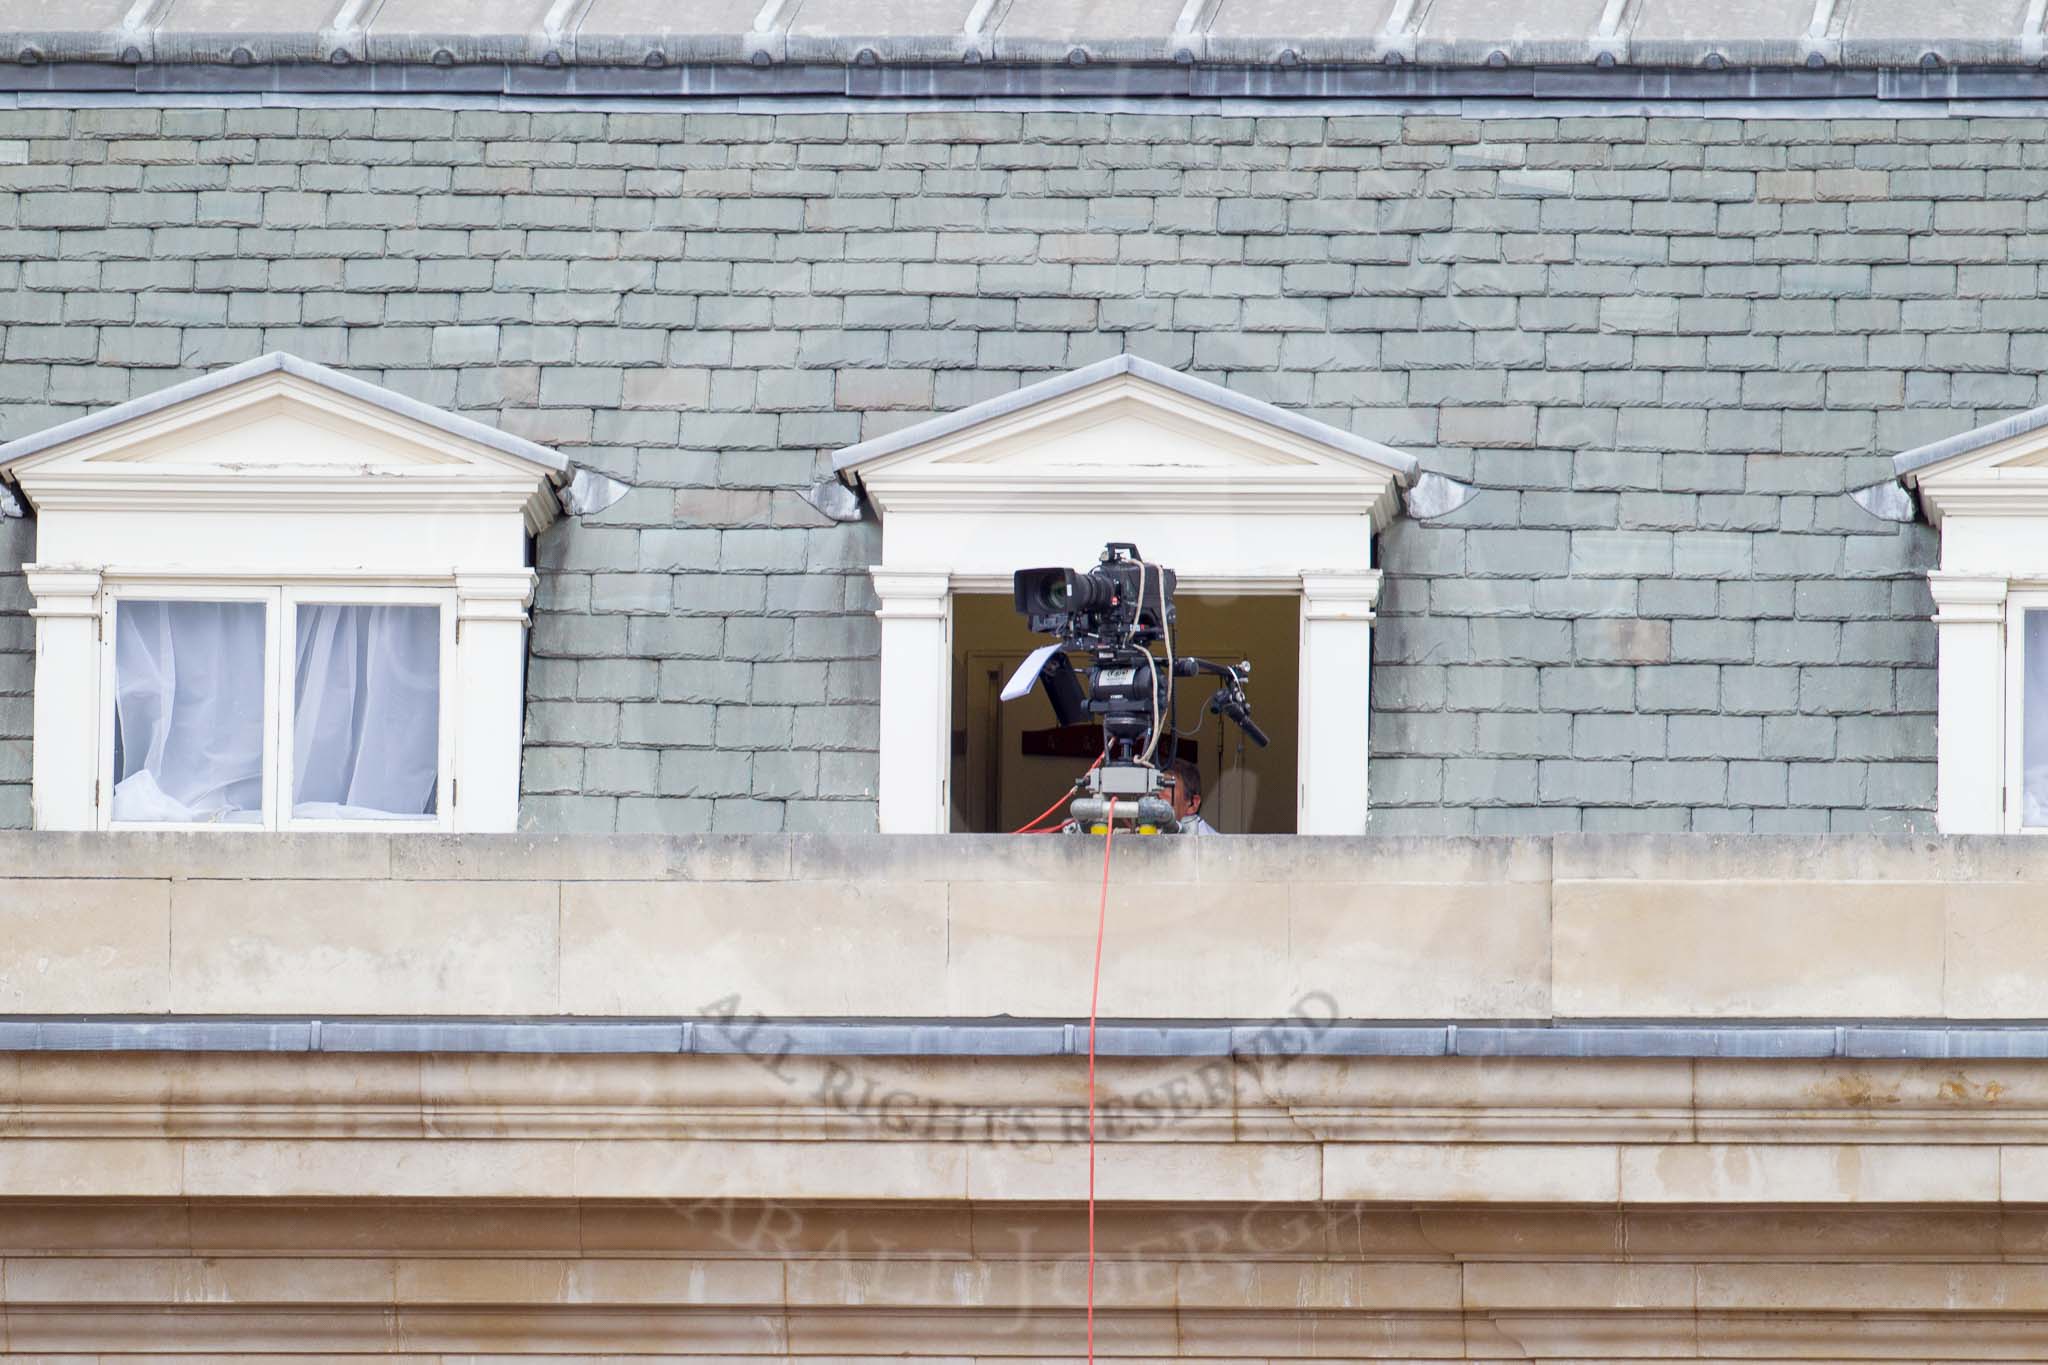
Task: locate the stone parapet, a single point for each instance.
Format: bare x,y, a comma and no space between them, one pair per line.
1568,928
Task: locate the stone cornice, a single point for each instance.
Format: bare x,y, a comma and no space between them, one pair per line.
1010,1109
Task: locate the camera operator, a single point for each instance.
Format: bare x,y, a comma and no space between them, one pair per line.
1186,795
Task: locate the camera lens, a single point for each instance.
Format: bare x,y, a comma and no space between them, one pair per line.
1081,592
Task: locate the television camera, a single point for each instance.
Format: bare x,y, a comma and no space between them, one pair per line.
1114,614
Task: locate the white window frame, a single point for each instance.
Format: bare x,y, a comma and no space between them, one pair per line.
2019,601
281,480
280,688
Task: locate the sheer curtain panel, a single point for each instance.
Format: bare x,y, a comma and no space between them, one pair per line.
188,712
366,709
2034,723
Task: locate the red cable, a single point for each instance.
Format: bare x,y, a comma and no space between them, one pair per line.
1030,826
1094,998
1027,826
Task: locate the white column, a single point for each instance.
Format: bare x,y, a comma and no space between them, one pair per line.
65,771
1336,661
490,682
1969,621
917,713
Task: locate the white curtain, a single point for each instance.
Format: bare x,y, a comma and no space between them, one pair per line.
188,711
367,708
2034,725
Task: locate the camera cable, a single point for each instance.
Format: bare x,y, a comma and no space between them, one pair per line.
1094,1000
1151,664
1031,826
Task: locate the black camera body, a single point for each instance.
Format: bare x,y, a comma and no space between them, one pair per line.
1120,602
1115,613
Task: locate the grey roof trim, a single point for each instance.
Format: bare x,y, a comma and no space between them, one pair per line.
1743,82
1911,462
1201,390
768,1039
398,404
1866,33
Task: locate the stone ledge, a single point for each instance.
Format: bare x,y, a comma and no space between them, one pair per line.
1026,1104
1844,858
1371,859
762,857
1283,1168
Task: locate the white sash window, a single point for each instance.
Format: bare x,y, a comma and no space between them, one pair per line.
366,712
190,724
209,722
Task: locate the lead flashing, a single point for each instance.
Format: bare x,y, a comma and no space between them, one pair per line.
657,33
765,1040
1651,1041
710,74
593,1037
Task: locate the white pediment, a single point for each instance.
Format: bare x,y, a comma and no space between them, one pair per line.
1135,433
282,432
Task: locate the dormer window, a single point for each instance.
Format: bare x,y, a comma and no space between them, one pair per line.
280,598
1987,492
1270,511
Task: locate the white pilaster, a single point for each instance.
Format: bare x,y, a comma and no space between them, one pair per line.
489,675
917,664
66,766
1336,662
1970,710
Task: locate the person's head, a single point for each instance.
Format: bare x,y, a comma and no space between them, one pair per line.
1186,792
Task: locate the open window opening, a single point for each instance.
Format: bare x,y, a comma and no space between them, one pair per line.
1011,760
